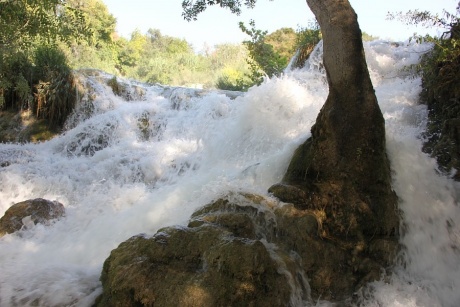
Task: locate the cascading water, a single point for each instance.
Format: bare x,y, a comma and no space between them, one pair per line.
129,167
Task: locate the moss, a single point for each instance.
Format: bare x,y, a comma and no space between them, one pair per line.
243,250
10,124
38,131
117,88
22,127
37,210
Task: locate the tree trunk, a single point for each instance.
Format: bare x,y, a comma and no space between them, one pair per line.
342,173
349,135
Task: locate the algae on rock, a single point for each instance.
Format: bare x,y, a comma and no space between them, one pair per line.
28,213
241,250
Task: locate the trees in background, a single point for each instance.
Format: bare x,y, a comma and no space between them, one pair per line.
81,34
33,69
263,59
100,48
84,31
270,54
24,23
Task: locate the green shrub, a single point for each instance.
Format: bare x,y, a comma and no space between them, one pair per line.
307,39
263,59
233,80
440,72
16,72
55,90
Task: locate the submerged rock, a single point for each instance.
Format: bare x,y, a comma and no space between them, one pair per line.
242,250
29,213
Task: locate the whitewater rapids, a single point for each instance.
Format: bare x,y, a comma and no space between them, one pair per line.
128,167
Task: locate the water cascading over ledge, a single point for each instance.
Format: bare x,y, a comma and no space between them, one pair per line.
340,177
241,250
164,160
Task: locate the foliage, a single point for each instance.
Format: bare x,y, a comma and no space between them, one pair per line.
99,50
41,41
283,41
192,8
270,54
263,59
306,40
34,73
233,80
23,22
15,73
97,18
440,71
156,58
427,19
446,48
367,37
55,95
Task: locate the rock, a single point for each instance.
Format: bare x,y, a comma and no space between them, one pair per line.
243,250
29,213
220,259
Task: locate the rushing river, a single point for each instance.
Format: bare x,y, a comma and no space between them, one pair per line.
128,167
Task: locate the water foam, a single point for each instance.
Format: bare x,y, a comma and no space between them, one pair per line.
133,167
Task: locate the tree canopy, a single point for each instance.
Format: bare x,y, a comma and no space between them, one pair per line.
22,22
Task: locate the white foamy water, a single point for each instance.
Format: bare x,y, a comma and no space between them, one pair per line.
134,167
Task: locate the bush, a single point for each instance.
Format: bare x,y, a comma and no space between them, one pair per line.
263,59
440,71
16,72
233,80
307,39
54,86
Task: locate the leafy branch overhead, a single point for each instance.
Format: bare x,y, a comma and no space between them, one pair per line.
191,8
449,21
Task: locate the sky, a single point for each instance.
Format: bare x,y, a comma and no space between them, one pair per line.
217,25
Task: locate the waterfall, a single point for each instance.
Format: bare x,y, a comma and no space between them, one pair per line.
130,166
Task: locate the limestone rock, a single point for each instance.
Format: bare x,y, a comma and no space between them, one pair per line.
220,259
243,250
29,213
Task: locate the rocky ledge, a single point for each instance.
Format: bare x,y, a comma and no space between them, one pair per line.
242,250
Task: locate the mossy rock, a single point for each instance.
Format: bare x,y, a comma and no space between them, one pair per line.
30,212
243,250
22,127
200,266
37,131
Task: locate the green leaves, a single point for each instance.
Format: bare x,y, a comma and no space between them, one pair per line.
263,59
440,66
191,8
23,22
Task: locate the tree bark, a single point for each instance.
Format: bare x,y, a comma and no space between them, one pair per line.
349,135
342,173
347,146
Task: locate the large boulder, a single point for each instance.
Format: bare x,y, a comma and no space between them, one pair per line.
241,250
28,213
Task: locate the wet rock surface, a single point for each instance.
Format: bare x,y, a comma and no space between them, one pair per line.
29,213
243,250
